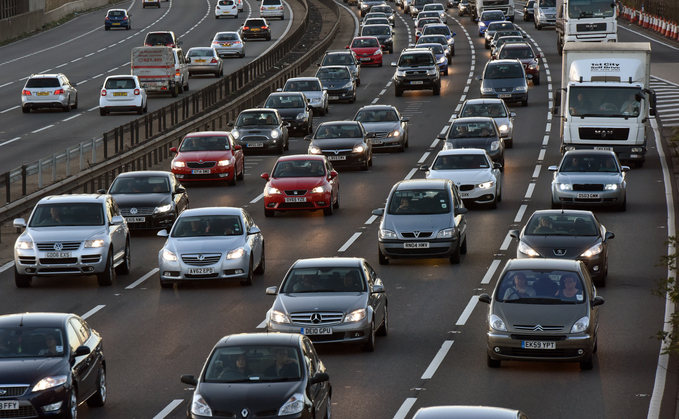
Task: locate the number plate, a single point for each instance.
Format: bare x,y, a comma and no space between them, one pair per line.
120,94
199,61
588,195
271,8
58,255
257,145
378,142
417,82
365,59
416,245
200,271
604,148
135,219
115,24
337,158
226,45
9,405
255,29
42,94
504,95
333,97
536,344
464,194
201,172
300,199
317,331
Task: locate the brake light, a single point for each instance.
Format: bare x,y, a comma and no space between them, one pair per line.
59,92
107,18
177,73
136,92
214,61
245,28
26,92
103,92
265,27
280,7
125,18
261,8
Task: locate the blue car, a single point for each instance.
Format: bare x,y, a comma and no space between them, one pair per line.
441,57
441,29
487,17
117,18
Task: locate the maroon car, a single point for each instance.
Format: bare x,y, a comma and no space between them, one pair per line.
208,156
524,53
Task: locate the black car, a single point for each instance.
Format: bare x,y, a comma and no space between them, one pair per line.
255,28
416,70
528,11
383,33
338,82
463,8
261,375
148,199
345,57
49,364
567,234
345,143
260,129
476,132
294,108
452,3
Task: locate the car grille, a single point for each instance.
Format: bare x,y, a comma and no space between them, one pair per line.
465,188
415,73
208,259
202,276
532,328
125,212
27,260
13,391
22,412
538,337
59,261
414,252
504,89
422,235
224,414
620,134
336,152
255,138
326,318
90,258
296,205
588,187
296,192
327,338
46,271
66,246
203,165
380,134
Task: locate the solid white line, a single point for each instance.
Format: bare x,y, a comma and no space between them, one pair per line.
262,325
519,214
258,198
529,191
490,272
6,266
10,109
423,158
648,37
436,362
349,242
467,311
142,279
507,241
411,174
42,129
405,408
371,219
93,109
91,312
536,172
541,156
169,408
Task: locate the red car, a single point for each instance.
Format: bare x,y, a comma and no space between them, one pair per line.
524,53
208,155
301,182
367,49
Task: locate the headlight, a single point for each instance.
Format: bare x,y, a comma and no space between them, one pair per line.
295,404
199,406
378,52
314,149
442,60
359,148
482,25
223,163
386,234
400,73
432,72
565,186
348,85
275,134
278,317
163,208
532,66
355,316
24,245
494,145
504,128
235,253
581,325
318,189
235,134
301,116
527,250
486,185
611,187
394,133
521,88
486,89
593,251
446,233
169,255
49,382
178,164
315,99
272,191
95,243
496,323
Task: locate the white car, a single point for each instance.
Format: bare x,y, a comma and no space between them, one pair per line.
477,178
272,8
226,8
122,94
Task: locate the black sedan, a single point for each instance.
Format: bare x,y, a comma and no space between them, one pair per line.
255,28
49,364
476,132
346,143
260,130
294,108
529,11
261,375
567,234
339,82
148,199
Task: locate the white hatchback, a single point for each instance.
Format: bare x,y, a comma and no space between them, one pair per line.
122,94
272,8
226,8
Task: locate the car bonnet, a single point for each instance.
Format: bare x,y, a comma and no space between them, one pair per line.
417,222
254,396
344,302
570,246
564,315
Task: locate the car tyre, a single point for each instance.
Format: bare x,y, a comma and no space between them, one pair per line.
445,72
493,363
124,268
25,109
22,281
329,211
437,89
509,143
536,80
73,403
98,399
369,346
232,181
146,107
493,204
262,263
241,176
328,409
455,257
140,110
106,28
463,246
337,201
524,103
384,329
75,105
186,88
268,37
268,213
398,92
248,281
555,205
165,284
588,364
623,207
382,258
102,112
106,278
67,108
175,91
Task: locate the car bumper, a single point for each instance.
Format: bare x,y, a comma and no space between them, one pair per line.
310,202
437,249
81,262
271,13
587,198
54,102
387,142
221,13
235,269
511,97
116,24
342,333
203,69
416,84
52,403
344,160
259,34
215,173
230,51
477,195
569,347
149,222
259,143
374,60
340,94
121,105
296,125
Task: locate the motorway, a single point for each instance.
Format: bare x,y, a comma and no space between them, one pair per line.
435,351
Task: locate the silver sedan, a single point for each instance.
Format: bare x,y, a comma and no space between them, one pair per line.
387,124
211,243
204,60
228,44
496,109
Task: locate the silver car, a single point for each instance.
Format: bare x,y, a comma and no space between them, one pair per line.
385,122
331,300
211,243
589,178
466,412
49,91
68,235
204,60
496,109
228,44
312,89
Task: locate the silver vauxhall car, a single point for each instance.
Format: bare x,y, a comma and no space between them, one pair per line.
70,235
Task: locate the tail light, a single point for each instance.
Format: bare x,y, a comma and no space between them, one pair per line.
137,92
103,92
107,19
262,8
177,73
235,42
280,7
214,61
245,28
125,18
26,93
59,92
219,8
265,27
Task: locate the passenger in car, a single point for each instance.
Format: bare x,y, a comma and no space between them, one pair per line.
519,288
569,288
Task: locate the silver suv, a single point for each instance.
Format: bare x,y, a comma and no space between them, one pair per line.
49,91
72,235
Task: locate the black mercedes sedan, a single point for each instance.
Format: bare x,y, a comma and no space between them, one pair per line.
49,364
566,234
261,375
149,199
346,143
476,132
295,109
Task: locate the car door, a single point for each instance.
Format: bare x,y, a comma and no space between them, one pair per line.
254,240
237,154
90,370
283,126
460,220
117,233
81,365
334,182
181,199
318,393
376,300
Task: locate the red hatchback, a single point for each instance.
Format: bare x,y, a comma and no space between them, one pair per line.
367,49
301,182
208,155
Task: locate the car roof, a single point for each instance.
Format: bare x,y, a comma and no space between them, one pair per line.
467,412
208,133
328,262
421,184
505,61
344,51
211,211
335,66
258,110
122,76
34,319
117,10
377,107
462,151
294,157
473,119
588,153
144,173
517,45
44,76
333,123
303,79
573,212
543,264
416,50
378,25
482,101
289,339
74,198
286,94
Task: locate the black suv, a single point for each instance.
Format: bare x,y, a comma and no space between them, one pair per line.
416,70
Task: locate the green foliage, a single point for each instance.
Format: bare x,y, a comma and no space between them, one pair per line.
667,288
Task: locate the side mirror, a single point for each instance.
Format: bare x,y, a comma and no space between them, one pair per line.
379,211
393,65
347,47
454,34
162,233
101,191
319,377
460,211
609,235
441,137
180,189
529,77
514,233
230,124
188,379
117,220
512,114
484,298
557,96
265,176
254,230
497,165
552,168
625,168
82,351
333,174
479,78
19,223
555,110
597,301
272,291
405,119
173,149
280,89
424,168
308,137
378,288
237,147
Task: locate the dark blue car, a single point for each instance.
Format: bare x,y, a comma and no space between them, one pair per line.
487,17
440,53
117,18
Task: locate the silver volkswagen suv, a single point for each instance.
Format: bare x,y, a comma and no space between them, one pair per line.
72,235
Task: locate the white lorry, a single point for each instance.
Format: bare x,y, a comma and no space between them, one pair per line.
605,102
155,67
476,7
585,21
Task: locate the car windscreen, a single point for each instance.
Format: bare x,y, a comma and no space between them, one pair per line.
486,16
256,118
226,37
513,52
606,101
326,279
122,83
439,39
376,115
382,9
427,21
43,82
365,43
528,286
504,71
508,40
372,30
271,2
285,102
302,86
436,48
258,23
159,39
424,15
419,202
200,52
299,168
561,225
461,162
31,342
497,26
585,163
211,143
436,30
338,59
333,73
207,225
414,60
140,184
254,364
377,21
67,214
433,6
473,129
493,110
338,131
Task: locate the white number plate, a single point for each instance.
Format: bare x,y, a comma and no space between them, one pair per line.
536,344
378,142
256,145
135,219
365,59
604,148
337,157
317,330
417,82
200,271
588,195
58,255
300,199
416,245
201,172
9,405
333,97
464,194
505,95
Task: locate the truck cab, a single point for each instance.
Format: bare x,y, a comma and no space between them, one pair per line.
584,21
476,7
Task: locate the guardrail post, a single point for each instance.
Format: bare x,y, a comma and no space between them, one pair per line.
105,145
23,180
7,184
94,150
132,133
160,123
115,140
146,126
40,173
164,121
136,129
80,150
68,162
54,168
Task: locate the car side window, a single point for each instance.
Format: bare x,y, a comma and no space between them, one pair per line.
73,337
310,357
456,195
82,328
249,222
371,275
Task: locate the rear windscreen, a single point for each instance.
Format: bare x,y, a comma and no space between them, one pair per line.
43,82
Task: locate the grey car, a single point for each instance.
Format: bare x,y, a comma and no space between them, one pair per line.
71,235
49,91
204,60
228,44
312,89
589,178
566,234
496,109
476,132
346,58
385,122
331,300
494,27
543,310
294,108
261,129
467,412
383,33
423,219
505,79
345,143
338,81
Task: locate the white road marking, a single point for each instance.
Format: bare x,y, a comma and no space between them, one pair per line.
42,129
545,140
436,362
383,91
536,172
262,325
91,312
61,65
405,408
541,156
374,101
169,408
258,198
11,109
411,174
93,109
6,265
73,117
491,271
423,158
349,242
467,311
548,127
142,279
434,143
529,191
520,213
371,219
6,84
7,142
506,242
